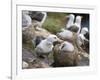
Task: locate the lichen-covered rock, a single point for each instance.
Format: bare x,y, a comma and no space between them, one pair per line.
25,65
38,63
27,55
28,34
42,32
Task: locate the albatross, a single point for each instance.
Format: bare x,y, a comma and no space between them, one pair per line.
65,55
46,45
67,46
81,37
65,35
70,22
76,27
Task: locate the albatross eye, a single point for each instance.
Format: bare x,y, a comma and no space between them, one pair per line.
55,38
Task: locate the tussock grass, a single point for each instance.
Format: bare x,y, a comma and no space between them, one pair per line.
54,22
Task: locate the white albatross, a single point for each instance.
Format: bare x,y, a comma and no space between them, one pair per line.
76,27
46,45
70,22
81,37
65,35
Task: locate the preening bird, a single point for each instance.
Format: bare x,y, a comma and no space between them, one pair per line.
70,22
46,45
76,27
26,19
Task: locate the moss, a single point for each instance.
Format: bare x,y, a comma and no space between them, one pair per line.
29,46
54,22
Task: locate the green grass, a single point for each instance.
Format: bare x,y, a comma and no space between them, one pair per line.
54,22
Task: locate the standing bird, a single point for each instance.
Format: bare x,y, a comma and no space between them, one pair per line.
26,19
70,22
46,46
76,27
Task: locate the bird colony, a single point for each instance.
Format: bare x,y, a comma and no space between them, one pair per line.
42,49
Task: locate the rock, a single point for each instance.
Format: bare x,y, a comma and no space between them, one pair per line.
42,32
84,61
33,61
39,63
26,20
28,34
25,65
36,15
27,56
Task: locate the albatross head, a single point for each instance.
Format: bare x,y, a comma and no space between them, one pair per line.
78,19
70,19
53,38
71,16
66,46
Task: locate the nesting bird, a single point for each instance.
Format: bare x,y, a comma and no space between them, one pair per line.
65,55
67,46
66,35
46,45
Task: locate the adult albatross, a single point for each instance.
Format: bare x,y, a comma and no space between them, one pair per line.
76,27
